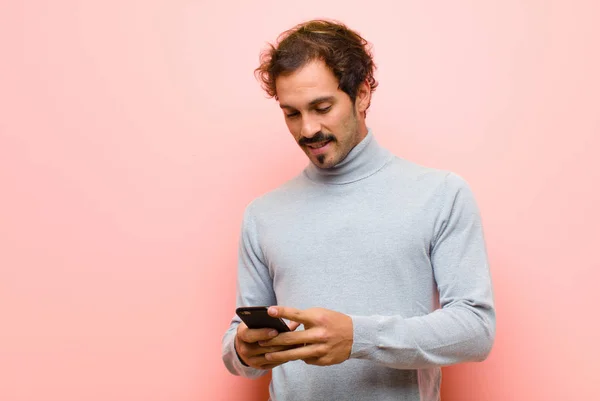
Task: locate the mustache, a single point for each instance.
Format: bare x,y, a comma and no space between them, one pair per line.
316,138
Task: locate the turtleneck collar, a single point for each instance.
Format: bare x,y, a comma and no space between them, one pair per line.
364,159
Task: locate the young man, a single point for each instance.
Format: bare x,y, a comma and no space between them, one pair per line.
381,261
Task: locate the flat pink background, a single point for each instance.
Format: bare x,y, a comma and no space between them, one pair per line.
133,133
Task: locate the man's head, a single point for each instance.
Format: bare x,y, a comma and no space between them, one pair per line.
322,75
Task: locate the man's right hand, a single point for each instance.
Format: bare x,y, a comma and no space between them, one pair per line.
250,352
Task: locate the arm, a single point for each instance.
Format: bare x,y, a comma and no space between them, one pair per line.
464,328
254,287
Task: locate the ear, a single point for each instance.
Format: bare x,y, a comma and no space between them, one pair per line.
363,97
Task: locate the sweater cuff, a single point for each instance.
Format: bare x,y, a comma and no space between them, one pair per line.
378,338
366,330
235,364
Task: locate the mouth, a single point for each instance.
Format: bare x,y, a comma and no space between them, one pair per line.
318,147
318,144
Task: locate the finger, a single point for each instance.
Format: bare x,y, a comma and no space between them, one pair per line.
254,350
293,338
260,362
255,335
310,351
288,313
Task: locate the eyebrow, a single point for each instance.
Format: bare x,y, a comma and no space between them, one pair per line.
318,100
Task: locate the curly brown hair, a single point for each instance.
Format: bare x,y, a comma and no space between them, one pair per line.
344,51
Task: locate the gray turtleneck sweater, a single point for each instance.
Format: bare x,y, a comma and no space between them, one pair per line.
397,247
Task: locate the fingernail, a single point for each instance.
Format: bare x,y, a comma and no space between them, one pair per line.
272,333
272,311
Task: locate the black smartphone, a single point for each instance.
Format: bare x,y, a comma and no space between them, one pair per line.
256,317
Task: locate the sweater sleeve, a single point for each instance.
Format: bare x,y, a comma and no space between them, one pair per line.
254,288
463,329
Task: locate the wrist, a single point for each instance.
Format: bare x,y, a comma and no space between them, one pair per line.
238,354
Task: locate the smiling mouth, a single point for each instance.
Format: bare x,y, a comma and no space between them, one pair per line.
319,149
318,145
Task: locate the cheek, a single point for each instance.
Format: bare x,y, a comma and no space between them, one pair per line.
340,117
293,127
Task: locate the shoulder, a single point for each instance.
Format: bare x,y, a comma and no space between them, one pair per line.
431,187
433,177
279,198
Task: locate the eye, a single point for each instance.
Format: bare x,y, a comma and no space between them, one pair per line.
323,110
292,115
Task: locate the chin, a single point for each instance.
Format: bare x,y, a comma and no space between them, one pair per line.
328,162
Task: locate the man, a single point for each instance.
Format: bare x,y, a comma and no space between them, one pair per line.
381,261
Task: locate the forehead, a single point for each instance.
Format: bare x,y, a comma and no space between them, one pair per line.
314,80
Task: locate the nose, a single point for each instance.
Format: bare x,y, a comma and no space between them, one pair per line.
310,127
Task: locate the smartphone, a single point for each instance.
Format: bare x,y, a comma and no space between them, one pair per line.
256,317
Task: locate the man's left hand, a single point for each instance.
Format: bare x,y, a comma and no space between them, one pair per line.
326,339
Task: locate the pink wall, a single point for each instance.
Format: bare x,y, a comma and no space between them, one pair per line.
133,133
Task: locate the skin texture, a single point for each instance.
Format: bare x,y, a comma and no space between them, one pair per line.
251,352
316,110
317,113
326,339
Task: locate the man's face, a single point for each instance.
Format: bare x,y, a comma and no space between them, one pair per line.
321,117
